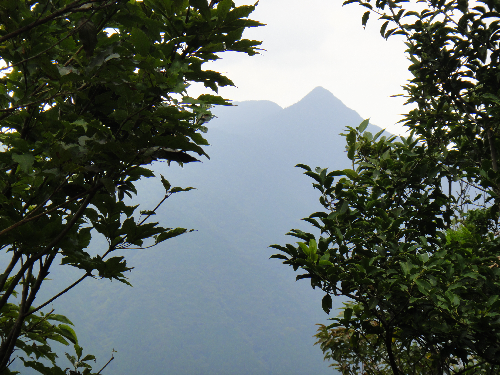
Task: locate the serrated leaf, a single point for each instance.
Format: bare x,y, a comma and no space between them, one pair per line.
170,234
178,189
199,140
165,183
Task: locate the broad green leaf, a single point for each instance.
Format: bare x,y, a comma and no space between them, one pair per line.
344,207
68,333
347,315
223,8
141,41
305,249
25,161
423,286
202,6
165,183
313,246
364,124
351,174
170,234
326,303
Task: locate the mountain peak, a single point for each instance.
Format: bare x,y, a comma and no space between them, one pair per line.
320,106
319,92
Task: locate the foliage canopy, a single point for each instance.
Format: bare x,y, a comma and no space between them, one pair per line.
92,93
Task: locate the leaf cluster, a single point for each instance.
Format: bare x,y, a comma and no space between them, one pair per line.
388,243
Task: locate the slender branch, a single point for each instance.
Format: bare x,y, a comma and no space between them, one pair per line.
112,357
8,343
392,360
10,267
154,210
40,321
42,274
58,294
492,149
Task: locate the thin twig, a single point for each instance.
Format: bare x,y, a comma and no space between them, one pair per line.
112,357
40,321
58,295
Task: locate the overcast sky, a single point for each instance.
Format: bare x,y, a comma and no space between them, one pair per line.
320,43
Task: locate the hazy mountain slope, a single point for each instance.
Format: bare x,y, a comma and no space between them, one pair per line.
211,302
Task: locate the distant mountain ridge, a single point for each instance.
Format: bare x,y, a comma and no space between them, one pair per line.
211,302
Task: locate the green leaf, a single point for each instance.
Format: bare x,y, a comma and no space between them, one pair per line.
59,318
305,249
223,8
169,234
313,246
364,124
178,189
68,333
351,174
344,208
25,161
351,151
198,139
423,286
202,6
303,166
109,185
406,267
140,41
326,303
88,357
347,316
364,19
165,183
383,28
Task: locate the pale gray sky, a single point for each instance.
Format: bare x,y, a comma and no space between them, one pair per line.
320,43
